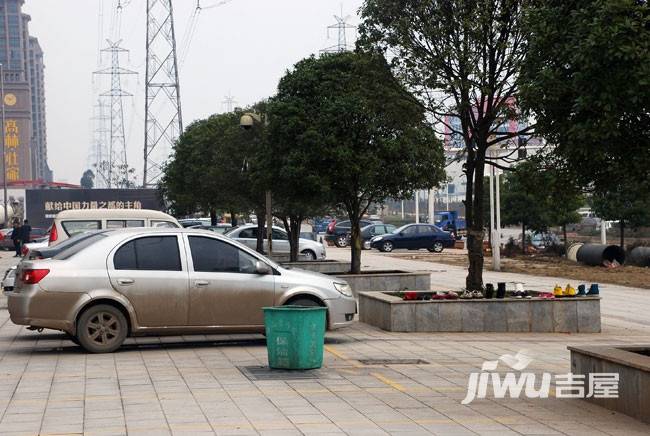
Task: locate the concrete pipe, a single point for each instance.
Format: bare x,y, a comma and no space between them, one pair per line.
572,251
640,256
597,254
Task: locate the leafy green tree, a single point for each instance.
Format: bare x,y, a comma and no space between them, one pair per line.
539,194
625,199
586,80
87,179
210,167
344,124
461,60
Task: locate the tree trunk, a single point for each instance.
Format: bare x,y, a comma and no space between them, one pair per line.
261,232
566,242
474,214
294,236
213,216
523,238
622,225
233,218
355,245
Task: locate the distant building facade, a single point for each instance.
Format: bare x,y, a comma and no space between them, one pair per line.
24,97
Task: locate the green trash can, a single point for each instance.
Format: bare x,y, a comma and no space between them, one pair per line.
295,336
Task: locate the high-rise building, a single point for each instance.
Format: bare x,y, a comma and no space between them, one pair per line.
24,96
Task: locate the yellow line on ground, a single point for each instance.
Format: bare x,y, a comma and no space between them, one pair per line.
388,381
342,356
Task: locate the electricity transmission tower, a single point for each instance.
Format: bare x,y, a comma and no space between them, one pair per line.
163,119
99,152
229,102
116,158
341,27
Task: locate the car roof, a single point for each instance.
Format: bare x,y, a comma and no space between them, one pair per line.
113,213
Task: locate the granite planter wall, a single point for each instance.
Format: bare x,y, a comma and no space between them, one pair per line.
386,281
321,266
566,315
631,363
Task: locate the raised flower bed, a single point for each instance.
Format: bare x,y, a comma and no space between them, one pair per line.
320,266
386,281
631,363
389,311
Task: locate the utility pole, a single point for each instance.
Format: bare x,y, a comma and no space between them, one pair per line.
229,102
495,216
99,150
117,145
431,198
417,206
163,116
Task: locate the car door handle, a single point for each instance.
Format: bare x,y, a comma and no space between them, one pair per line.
125,281
201,283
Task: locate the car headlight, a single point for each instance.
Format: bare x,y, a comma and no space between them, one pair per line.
343,288
377,238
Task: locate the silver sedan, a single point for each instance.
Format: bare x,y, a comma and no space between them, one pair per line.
162,281
247,235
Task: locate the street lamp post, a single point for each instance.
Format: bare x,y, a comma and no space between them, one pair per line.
4,150
247,121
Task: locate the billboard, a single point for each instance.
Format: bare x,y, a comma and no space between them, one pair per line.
42,205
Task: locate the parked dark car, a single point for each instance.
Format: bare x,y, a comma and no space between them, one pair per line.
338,233
6,243
414,237
369,232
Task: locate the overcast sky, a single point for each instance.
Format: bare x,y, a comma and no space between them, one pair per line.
241,47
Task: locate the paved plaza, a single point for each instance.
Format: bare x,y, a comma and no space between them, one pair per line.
211,384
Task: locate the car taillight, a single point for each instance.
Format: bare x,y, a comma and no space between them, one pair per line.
53,234
33,276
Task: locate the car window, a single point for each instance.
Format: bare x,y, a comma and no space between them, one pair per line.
164,224
213,255
424,230
119,224
74,227
343,224
390,228
411,230
248,233
74,245
380,230
150,253
279,235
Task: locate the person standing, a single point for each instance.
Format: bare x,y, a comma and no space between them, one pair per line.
15,237
25,233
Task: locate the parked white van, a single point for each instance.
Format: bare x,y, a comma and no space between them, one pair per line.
70,222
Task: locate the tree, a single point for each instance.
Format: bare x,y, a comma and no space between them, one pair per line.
87,179
586,80
461,59
210,167
357,131
524,203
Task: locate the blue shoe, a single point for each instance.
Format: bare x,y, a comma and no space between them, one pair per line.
593,289
581,291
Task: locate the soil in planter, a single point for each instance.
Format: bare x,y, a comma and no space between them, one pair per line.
370,273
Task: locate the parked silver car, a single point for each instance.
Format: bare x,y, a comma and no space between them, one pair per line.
163,281
247,235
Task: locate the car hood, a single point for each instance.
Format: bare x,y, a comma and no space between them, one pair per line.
297,275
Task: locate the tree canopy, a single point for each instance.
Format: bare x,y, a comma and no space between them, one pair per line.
351,134
461,59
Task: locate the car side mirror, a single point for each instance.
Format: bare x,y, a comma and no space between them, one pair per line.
262,268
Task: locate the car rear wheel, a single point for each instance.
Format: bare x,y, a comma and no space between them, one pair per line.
341,241
310,255
102,329
437,247
387,247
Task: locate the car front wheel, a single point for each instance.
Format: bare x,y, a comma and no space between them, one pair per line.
387,247
308,254
102,329
437,247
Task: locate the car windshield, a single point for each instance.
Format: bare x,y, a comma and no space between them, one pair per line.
79,245
401,229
